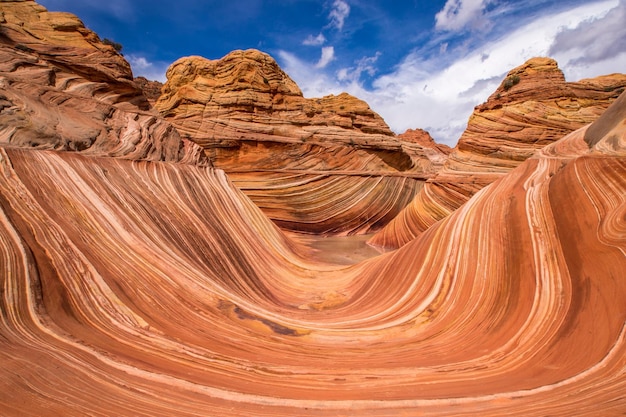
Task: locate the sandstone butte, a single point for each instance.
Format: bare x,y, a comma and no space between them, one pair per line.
63,89
312,165
533,107
152,286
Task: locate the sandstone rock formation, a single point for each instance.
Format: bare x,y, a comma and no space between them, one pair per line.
150,89
533,107
62,88
156,288
142,288
312,165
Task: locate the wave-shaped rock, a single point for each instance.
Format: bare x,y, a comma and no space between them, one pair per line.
157,288
142,288
533,107
312,165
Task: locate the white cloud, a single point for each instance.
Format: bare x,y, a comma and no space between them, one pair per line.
328,54
138,63
593,44
151,70
419,93
338,14
445,105
314,41
363,65
312,82
458,14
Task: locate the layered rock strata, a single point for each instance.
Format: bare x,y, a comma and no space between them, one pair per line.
533,107
142,288
150,89
157,288
312,165
62,88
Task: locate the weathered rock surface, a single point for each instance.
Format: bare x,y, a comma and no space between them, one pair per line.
150,288
150,89
247,96
533,107
312,165
141,288
62,88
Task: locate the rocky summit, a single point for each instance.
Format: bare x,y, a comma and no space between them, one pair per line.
312,165
533,107
63,88
136,279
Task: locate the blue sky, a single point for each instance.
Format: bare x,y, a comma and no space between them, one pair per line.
418,63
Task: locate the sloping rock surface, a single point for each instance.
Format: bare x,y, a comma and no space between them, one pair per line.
136,287
142,288
533,107
62,88
291,154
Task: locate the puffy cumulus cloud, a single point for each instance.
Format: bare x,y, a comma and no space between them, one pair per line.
328,54
593,44
338,14
459,14
314,40
143,67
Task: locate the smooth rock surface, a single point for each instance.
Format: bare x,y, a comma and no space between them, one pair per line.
132,286
533,107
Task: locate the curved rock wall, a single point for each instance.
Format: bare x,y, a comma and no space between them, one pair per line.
533,107
141,288
333,154
137,287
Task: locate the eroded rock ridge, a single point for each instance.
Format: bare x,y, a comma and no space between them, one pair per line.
289,153
534,106
138,283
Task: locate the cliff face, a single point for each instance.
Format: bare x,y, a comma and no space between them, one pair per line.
533,107
333,153
62,88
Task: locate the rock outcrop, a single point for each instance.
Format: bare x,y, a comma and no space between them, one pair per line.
150,89
62,88
247,96
533,107
136,286
312,165
141,288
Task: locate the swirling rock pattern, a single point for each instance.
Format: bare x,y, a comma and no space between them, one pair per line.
144,288
62,88
137,287
533,107
312,165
